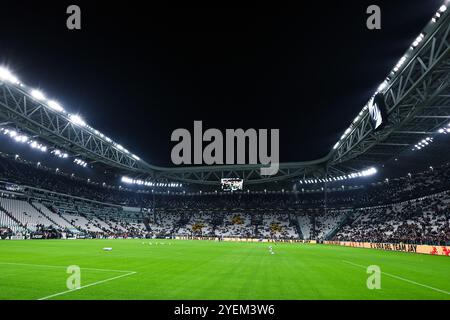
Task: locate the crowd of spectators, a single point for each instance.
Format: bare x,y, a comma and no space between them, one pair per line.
400,210
382,192
420,221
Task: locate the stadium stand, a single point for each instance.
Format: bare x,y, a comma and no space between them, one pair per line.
412,209
24,213
6,222
57,220
421,221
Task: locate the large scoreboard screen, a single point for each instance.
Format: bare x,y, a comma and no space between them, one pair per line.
232,184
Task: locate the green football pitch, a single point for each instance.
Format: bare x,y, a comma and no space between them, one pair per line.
171,269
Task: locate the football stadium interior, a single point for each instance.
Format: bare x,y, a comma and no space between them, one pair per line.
381,196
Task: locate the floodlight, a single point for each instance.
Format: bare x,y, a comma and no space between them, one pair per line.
382,86
76,119
55,105
38,94
127,180
5,74
22,139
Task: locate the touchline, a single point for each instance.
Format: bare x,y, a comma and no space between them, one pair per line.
236,141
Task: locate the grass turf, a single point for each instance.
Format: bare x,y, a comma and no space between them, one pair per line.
214,270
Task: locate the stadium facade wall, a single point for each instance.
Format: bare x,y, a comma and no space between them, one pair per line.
402,247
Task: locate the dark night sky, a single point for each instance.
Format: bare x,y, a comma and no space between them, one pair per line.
137,73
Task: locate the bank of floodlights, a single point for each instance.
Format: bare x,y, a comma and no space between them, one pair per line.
364,173
147,183
23,138
80,162
423,143
445,130
429,140
38,95
60,154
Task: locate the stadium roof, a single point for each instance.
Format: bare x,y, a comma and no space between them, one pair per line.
416,94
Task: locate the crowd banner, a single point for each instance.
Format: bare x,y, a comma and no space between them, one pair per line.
402,247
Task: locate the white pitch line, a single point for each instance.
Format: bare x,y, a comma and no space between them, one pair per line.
65,267
403,279
86,286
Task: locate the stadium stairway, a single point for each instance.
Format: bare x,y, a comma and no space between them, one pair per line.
348,221
345,221
304,222
256,231
146,224
49,218
62,222
313,226
294,221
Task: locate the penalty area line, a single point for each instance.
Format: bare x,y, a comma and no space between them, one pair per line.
402,279
87,286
